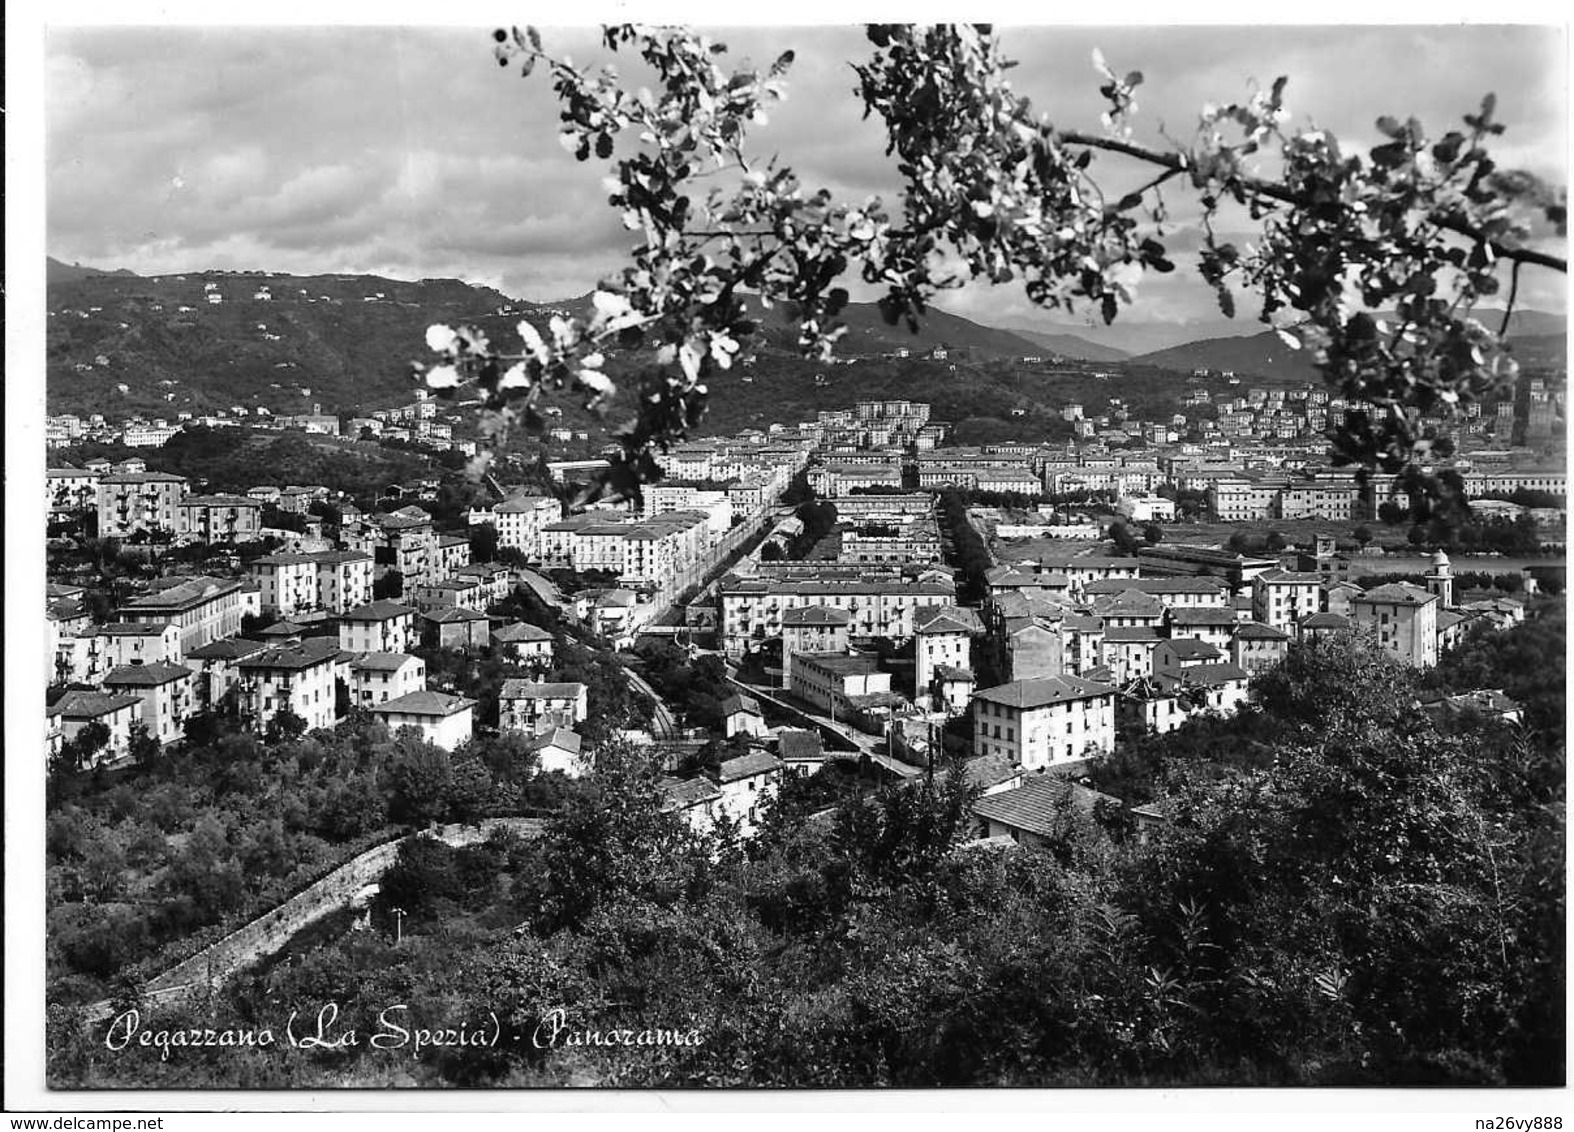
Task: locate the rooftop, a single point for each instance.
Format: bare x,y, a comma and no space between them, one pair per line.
1040,805
145,675
383,610
815,615
530,690
91,705
230,648
1029,694
746,766
381,661
438,704
520,631
799,745
294,657
1395,593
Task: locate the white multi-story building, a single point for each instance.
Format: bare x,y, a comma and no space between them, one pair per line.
442,719
331,580
205,609
752,608
295,677
1402,618
78,709
72,490
944,636
1039,723
377,677
129,502
1282,597
381,626
167,693
519,520
218,518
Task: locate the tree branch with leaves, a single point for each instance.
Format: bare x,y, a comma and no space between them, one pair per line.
993,191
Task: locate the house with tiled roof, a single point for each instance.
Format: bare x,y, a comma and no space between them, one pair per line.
455,628
442,719
298,677
741,715
747,784
378,626
377,677
523,642
943,637
1323,625
801,752
117,712
144,642
166,691
1172,593
694,799
216,668
1257,647
532,707
206,609
1128,651
1402,619
1280,598
992,774
1488,703
559,749
1130,609
1041,723
1044,811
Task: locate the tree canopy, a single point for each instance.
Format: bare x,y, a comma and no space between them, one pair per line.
1422,225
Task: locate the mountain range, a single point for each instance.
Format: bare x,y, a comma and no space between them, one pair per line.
344,341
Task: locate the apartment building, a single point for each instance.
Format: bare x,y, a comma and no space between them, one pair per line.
880,606
129,502
299,677
78,709
377,677
1042,723
1402,618
1280,598
519,520
1257,647
378,626
943,637
205,609
812,629
71,490
167,693
216,668
218,518
331,580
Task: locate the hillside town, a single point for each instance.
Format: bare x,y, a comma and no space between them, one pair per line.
870,639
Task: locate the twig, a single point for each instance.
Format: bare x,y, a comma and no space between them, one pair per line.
1513,293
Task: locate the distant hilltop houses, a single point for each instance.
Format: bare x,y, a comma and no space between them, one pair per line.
415,423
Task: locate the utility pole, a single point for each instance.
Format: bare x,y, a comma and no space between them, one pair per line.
398,926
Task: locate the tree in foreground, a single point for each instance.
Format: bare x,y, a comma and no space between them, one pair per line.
1424,225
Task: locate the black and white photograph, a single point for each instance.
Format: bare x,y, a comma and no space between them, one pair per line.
1019,559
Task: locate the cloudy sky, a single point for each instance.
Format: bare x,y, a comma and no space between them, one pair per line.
406,151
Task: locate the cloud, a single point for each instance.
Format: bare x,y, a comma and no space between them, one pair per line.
328,148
